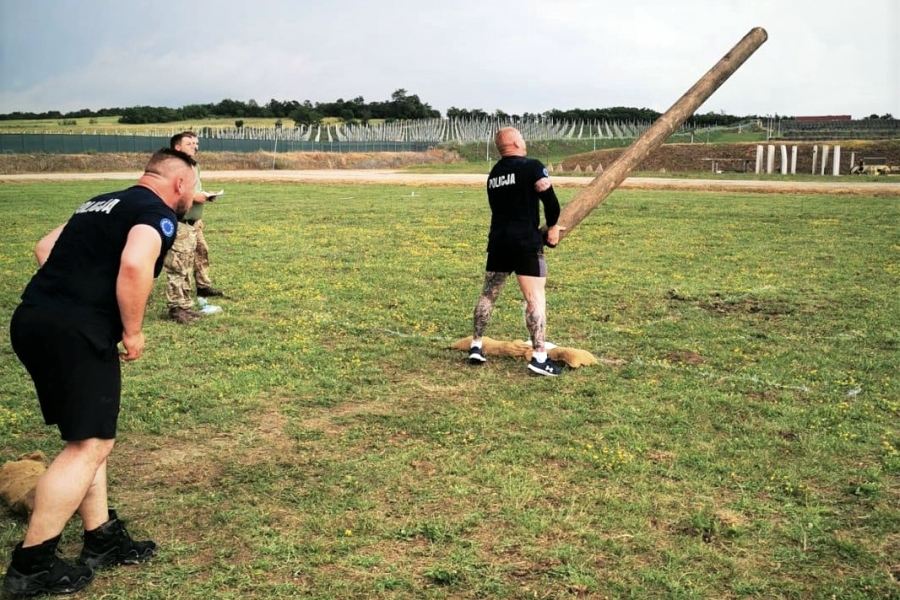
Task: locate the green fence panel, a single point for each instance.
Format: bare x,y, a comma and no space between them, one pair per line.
62,143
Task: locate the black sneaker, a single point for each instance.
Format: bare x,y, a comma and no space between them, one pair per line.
110,545
476,356
548,367
38,570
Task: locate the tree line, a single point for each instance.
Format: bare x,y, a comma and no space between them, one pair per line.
401,106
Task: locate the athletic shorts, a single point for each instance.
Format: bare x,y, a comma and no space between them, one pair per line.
76,373
527,263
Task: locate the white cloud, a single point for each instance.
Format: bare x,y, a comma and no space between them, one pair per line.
517,56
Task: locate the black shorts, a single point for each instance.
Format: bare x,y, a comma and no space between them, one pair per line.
76,372
529,263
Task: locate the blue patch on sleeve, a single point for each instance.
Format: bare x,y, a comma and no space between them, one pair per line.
546,173
167,227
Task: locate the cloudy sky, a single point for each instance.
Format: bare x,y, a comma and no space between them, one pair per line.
822,56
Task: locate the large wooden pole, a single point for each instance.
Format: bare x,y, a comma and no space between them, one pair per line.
604,184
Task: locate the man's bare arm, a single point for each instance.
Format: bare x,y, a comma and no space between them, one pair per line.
134,285
45,246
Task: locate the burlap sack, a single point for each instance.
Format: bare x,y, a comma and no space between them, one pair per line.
492,347
18,479
573,357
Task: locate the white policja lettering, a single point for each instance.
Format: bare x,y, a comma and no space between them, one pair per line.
502,180
104,206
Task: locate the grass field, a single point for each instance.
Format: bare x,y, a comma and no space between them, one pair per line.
319,439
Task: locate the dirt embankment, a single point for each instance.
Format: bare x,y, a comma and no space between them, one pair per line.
696,158
223,161
670,158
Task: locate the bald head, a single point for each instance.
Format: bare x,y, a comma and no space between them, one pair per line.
510,142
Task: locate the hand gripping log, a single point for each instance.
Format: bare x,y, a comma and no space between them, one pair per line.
605,183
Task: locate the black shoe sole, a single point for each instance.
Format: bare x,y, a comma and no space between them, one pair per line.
106,561
20,589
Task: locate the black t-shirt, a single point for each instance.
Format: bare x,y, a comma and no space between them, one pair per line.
515,218
79,276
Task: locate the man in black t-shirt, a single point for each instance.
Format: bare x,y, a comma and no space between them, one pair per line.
90,292
516,186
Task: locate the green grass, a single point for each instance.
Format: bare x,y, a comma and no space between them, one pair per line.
319,439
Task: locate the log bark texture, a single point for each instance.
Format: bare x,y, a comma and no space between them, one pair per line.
605,183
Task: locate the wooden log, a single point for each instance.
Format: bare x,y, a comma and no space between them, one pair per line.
604,184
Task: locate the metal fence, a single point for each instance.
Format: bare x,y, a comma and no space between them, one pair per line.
62,143
865,129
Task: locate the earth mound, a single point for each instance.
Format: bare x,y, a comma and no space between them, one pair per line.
697,158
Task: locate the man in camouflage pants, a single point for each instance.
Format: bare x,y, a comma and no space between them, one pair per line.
201,262
189,253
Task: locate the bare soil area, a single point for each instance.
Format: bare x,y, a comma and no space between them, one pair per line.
110,162
696,158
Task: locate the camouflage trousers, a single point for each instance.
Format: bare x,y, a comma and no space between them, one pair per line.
189,255
201,258
179,264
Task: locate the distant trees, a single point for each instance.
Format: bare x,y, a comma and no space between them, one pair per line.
55,114
464,113
617,113
195,111
138,115
305,114
229,108
15,116
401,106
346,110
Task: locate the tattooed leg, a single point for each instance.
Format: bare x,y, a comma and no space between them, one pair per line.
536,321
535,309
493,284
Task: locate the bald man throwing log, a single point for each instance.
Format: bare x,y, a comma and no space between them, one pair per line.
516,186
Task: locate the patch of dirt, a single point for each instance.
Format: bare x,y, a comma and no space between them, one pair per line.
195,459
324,420
224,161
690,358
692,158
746,305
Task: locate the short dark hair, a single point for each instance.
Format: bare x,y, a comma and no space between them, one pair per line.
176,139
164,154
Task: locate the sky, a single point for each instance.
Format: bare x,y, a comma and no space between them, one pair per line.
822,57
